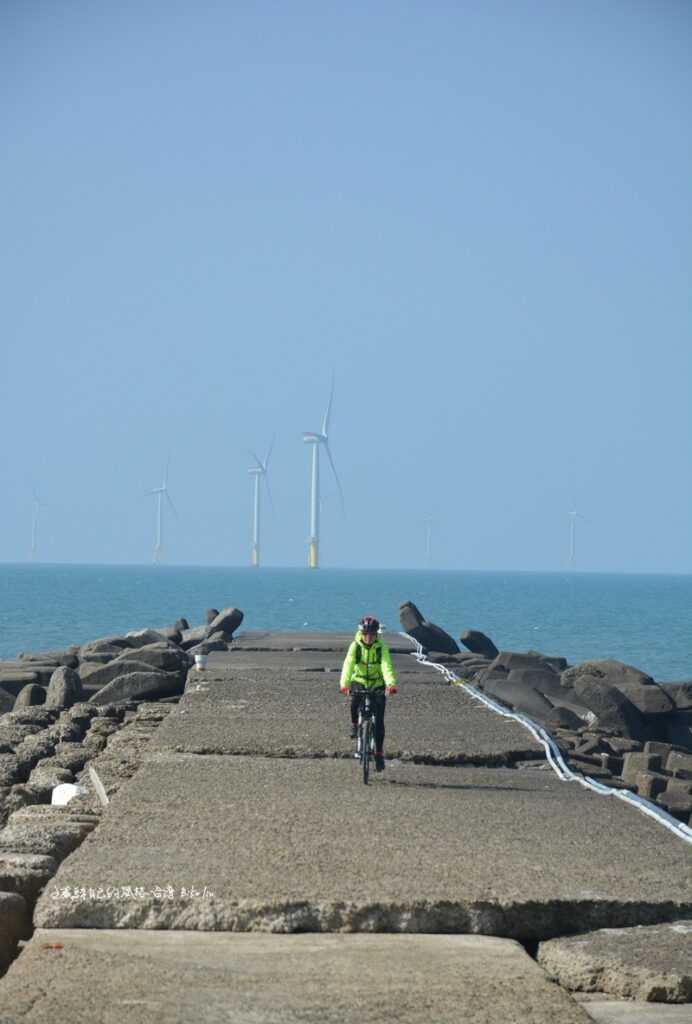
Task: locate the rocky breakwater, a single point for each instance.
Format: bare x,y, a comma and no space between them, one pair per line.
611,721
63,713
142,664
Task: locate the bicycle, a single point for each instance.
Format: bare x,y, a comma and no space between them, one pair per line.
365,745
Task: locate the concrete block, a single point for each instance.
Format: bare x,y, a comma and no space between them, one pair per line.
677,803
277,844
634,763
650,785
159,977
652,964
679,764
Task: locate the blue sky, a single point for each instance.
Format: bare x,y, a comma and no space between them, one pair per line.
477,216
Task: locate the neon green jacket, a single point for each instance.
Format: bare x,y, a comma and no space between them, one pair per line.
373,670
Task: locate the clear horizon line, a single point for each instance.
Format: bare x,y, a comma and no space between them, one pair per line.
566,571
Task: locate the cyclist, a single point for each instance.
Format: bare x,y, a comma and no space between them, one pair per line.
368,664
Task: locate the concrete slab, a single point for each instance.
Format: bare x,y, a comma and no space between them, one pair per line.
303,661
260,640
91,977
651,964
312,661
303,641
620,1012
304,846
291,714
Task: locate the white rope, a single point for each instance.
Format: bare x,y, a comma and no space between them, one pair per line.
553,753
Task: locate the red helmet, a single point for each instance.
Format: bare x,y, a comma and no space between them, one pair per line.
369,624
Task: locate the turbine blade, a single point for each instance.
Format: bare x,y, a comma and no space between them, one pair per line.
168,497
336,476
259,464
165,479
325,421
269,494
269,451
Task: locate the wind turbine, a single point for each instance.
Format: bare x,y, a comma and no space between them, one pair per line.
160,493
573,516
259,471
317,439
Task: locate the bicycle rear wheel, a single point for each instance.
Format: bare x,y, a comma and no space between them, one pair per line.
365,740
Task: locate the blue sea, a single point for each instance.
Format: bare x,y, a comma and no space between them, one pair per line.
643,620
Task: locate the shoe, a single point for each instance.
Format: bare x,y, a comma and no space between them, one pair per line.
379,762
354,732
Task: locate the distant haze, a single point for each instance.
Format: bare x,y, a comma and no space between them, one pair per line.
477,216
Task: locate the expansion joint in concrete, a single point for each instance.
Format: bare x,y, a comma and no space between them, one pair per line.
514,759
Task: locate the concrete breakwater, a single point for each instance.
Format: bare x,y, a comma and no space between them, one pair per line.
237,808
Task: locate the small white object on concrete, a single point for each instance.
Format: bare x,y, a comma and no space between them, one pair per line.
65,792
201,662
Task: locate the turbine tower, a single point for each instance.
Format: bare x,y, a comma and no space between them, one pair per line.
317,439
259,471
573,516
161,493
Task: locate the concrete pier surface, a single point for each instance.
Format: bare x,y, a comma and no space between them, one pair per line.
107,977
289,845
295,714
248,814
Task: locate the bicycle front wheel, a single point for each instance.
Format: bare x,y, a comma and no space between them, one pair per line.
365,740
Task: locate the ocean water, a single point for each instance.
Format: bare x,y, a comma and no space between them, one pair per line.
643,620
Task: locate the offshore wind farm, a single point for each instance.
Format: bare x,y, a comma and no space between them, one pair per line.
260,485
260,482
